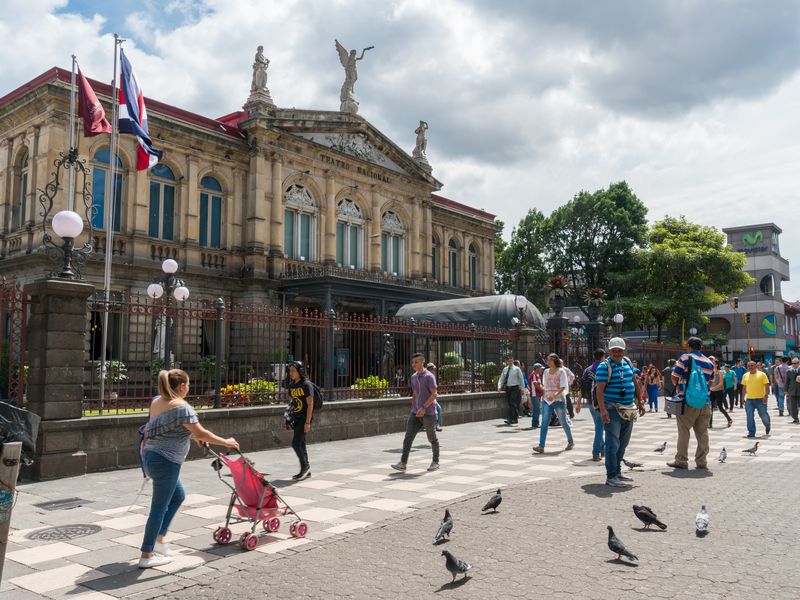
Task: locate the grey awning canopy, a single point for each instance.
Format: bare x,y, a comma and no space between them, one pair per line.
488,311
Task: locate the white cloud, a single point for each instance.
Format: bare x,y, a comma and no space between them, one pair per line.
528,103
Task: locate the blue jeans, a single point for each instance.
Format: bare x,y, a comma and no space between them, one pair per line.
599,443
652,396
547,413
438,408
779,394
618,434
750,407
536,411
168,495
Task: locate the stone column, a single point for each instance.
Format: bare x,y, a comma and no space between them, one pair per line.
416,233
191,204
6,179
330,219
426,241
276,250
255,214
57,333
375,234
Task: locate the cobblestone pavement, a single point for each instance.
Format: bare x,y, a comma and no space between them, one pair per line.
371,530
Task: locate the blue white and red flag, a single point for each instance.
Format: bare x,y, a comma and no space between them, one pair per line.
133,115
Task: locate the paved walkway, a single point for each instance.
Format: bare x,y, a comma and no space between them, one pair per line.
366,522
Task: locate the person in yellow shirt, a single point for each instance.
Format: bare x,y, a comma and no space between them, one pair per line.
756,389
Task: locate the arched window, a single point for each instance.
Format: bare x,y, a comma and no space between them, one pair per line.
19,205
435,258
210,212
452,249
100,168
767,285
392,244
349,235
300,224
473,267
162,202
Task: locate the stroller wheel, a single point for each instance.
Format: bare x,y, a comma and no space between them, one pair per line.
272,524
298,529
248,541
222,535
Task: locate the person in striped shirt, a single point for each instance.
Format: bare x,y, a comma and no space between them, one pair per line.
696,419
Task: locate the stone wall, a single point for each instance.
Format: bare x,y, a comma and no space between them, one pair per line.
110,442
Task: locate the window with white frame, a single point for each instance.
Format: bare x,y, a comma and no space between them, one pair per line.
435,250
19,204
392,244
210,213
162,203
473,267
100,172
299,224
452,249
349,235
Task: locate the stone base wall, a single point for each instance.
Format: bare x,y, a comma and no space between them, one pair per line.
110,442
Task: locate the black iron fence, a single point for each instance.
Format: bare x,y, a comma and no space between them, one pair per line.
236,354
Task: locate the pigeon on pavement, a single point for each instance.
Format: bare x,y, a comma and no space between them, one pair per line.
493,502
751,451
632,465
617,547
723,455
661,448
647,516
445,528
455,566
701,522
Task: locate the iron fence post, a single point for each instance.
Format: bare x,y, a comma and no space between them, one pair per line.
413,323
472,329
329,350
219,305
167,324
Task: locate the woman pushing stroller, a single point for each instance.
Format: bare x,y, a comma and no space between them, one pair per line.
172,423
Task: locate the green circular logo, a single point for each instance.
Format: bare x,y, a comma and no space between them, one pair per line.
770,325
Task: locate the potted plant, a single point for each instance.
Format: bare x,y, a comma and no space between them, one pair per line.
115,373
595,298
558,293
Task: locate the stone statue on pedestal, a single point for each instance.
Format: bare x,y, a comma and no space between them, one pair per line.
259,102
348,60
418,154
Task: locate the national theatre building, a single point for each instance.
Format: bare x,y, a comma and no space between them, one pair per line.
264,205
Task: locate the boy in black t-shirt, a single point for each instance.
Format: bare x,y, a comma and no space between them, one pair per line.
301,408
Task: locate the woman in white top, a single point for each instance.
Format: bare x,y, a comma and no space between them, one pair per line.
556,385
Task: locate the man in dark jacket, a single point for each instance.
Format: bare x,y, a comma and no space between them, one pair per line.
793,388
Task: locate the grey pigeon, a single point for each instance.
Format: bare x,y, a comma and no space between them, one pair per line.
701,522
632,465
648,517
661,448
617,547
751,451
455,566
493,502
723,455
445,528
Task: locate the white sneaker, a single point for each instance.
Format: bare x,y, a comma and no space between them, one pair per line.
163,549
154,561
434,466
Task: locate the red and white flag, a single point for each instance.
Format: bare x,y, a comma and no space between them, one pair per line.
90,109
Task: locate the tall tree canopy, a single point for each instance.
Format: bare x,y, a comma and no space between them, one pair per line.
685,270
519,265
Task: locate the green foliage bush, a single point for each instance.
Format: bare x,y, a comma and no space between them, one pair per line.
449,374
453,358
370,387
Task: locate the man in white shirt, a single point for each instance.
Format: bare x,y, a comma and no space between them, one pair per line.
511,381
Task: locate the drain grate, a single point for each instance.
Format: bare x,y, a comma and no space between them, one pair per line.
63,504
63,532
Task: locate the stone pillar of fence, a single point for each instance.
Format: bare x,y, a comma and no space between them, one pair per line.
556,328
56,338
529,345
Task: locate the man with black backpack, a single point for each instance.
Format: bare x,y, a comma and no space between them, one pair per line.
691,375
300,413
587,387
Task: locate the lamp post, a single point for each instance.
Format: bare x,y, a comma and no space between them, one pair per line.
521,302
618,319
693,331
174,288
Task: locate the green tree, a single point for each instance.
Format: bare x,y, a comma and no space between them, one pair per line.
520,265
686,270
594,236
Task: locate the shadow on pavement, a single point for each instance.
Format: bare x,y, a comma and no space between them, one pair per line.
454,584
619,561
688,474
601,490
645,529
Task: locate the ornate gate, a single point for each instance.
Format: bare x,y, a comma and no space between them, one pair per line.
13,322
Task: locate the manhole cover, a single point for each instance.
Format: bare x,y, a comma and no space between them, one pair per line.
63,532
64,504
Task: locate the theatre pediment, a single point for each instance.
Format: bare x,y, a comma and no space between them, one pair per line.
354,144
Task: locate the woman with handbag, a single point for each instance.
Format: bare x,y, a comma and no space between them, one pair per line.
717,393
556,384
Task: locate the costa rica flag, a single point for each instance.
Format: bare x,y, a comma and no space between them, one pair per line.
133,116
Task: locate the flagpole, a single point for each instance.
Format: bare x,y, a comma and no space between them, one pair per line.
109,205
71,171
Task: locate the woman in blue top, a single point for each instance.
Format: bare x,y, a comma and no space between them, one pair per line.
172,424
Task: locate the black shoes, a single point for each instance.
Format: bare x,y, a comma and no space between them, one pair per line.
303,474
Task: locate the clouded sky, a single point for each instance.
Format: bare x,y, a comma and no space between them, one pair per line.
695,103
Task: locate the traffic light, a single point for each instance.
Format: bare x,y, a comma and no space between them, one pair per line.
746,317
735,302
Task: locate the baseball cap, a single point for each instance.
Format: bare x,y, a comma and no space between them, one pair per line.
616,342
538,366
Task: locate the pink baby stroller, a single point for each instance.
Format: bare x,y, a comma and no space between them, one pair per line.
256,501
